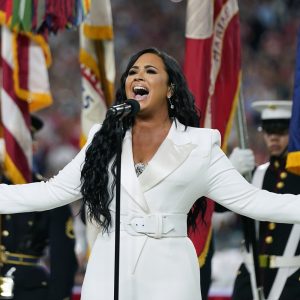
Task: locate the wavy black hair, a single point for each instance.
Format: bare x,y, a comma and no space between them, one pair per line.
96,186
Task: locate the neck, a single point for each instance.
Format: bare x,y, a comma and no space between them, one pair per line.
151,124
147,136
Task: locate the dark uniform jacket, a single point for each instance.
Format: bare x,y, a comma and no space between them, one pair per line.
273,238
26,237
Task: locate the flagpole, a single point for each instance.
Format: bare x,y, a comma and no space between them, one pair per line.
249,224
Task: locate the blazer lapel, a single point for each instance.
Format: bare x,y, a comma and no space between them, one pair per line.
174,150
129,179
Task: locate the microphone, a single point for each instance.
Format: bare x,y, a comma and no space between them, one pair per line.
127,109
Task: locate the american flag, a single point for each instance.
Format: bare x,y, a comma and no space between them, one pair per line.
25,88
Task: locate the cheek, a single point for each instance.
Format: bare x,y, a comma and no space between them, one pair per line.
285,141
162,87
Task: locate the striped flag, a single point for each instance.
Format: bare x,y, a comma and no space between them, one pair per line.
25,89
213,70
97,63
293,158
213,61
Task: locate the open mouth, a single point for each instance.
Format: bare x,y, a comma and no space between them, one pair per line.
140,92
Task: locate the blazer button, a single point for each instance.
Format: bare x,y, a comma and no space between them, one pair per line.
271,226
276,164
283,175
5,233
269,239
280,185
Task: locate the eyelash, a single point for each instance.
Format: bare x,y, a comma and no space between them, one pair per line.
131,72
149,71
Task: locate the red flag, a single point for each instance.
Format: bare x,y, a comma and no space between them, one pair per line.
213,61
212,68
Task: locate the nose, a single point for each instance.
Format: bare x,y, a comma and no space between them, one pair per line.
139,76
273,136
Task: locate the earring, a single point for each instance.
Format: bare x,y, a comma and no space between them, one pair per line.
170,102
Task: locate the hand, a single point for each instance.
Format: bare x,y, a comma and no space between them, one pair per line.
242,160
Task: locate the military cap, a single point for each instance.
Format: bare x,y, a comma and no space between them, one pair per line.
275,115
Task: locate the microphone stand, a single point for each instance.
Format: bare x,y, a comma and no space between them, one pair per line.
119,131
121,111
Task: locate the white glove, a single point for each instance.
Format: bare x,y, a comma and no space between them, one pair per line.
243,160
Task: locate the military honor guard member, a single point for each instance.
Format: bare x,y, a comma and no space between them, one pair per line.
278,244
25,238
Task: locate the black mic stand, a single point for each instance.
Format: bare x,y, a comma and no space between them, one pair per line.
119,131
130,110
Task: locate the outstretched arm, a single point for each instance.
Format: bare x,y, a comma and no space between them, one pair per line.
62,189
227,187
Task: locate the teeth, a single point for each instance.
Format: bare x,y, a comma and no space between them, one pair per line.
139,88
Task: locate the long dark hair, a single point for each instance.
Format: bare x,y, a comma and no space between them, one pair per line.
96,186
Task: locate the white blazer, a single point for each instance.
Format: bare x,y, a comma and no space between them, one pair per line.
188,164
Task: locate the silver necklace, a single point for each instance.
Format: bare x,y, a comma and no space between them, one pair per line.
139,168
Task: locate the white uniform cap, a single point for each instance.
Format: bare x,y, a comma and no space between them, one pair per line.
273,109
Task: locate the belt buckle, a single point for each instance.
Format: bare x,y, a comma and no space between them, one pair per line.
150,225
264,260
157,223
267,261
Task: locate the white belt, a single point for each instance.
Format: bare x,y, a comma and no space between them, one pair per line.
155,225
284,262
275,261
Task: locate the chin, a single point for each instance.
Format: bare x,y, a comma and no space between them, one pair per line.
276,153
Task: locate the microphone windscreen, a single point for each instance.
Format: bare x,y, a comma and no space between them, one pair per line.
135,107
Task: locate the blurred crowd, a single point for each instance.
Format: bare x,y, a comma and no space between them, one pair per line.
268,36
